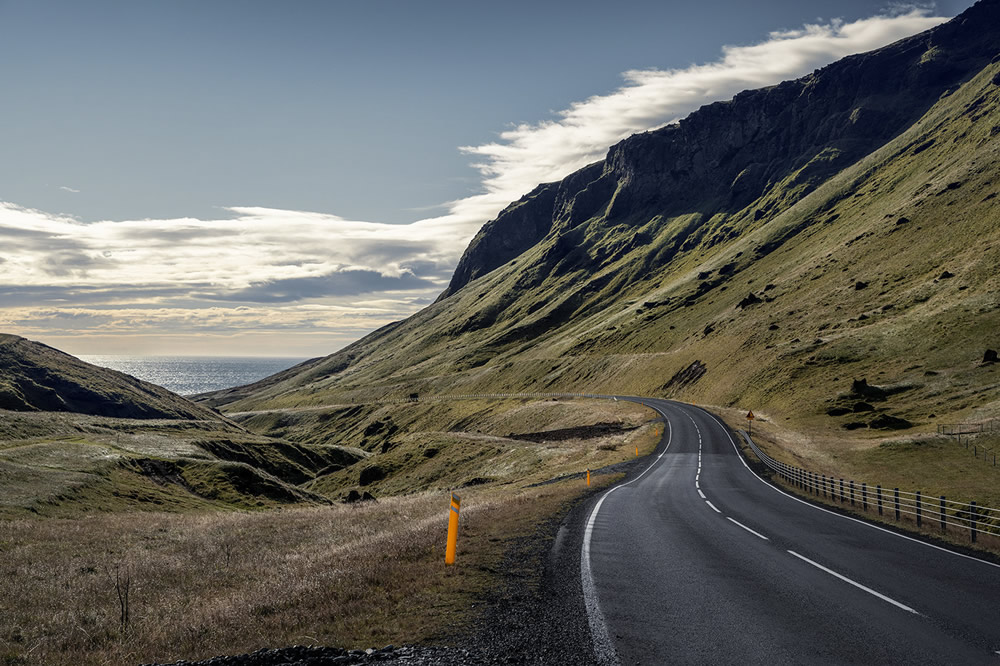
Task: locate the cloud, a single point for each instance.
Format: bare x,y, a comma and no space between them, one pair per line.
343,283
38,322
250,248
68,189
117,295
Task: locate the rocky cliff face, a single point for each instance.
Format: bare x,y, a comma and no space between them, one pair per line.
727,155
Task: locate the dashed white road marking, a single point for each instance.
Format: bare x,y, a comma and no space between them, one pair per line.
854,583
713,506
739,455
753,532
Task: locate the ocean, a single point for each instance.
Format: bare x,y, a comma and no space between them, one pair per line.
188,375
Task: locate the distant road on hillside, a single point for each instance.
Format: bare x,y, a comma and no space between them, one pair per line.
697,560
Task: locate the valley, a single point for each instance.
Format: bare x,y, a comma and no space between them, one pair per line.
822,252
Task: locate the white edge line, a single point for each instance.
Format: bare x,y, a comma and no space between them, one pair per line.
854,583
604,648
702,494
713,506
739,455
753,532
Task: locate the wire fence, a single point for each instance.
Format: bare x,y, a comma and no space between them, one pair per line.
926,510
970,430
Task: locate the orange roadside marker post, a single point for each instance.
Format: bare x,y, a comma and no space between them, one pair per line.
588,478
750,418
449,553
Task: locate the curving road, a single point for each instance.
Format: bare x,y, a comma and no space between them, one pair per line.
697,560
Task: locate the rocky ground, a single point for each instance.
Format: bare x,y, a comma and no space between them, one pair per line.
300,655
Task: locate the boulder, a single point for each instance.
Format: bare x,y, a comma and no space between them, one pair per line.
861,389
371,474
888,422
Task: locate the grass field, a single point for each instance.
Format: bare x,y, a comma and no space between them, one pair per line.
226,583
208,582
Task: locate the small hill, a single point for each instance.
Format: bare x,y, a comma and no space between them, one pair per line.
35,377
80,438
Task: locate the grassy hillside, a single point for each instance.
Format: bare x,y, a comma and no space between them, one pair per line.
79,438
71,461
442,444
56,464
883,271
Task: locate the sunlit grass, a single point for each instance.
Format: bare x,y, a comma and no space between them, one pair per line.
225,583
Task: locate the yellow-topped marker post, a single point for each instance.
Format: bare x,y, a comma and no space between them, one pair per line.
750,418
449,552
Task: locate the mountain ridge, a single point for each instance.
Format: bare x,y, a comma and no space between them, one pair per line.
741,286
638,173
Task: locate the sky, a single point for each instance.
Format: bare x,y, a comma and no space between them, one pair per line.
279,178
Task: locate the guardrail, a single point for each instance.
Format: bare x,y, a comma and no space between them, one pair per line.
922,508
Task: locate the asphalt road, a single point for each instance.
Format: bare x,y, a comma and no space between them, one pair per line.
697,560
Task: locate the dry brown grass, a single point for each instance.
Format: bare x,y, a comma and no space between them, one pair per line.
356,576
362,575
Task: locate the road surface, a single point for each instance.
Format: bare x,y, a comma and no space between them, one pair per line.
698,561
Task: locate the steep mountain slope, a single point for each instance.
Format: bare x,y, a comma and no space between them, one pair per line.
34,377
767,251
